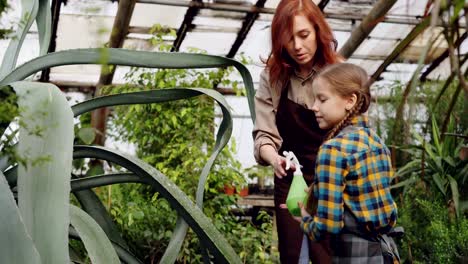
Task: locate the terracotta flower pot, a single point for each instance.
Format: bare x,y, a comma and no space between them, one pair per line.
244,191
229,189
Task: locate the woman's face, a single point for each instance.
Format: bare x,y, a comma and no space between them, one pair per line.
303,44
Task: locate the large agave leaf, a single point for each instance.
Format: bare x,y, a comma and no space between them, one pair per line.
43,21
29,12
132,58
16,245
103,180
156,96
124,255
98,246
91,203
46,141
191,213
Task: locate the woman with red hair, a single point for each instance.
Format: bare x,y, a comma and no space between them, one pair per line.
302,44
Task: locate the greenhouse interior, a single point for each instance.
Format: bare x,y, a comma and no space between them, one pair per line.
128,127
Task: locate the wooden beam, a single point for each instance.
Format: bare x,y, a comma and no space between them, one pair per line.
118,33
323,4
369,22
246,26
186,25
213,6
407,20
195,28
401,47
382,58
441,58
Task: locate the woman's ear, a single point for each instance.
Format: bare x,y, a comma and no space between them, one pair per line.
350,102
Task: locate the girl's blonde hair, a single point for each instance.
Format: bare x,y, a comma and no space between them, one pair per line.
347,79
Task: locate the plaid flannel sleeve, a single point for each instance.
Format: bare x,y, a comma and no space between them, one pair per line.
331,169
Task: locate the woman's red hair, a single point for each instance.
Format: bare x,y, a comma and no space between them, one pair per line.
279,63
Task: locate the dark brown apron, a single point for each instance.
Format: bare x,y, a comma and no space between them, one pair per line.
301,134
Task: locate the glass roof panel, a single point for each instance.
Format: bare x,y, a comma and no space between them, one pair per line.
257,43
216,43
146,15
375,47
90,7
408,8
398,31
218,22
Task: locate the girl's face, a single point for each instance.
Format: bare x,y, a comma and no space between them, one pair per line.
329,107
302,45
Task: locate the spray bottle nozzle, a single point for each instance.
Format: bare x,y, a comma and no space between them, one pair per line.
291,158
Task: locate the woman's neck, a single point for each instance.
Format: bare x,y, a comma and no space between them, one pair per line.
304,70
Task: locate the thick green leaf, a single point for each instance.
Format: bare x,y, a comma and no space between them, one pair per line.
219,247
4,163
91,203
449,160
462,174
87,135
155,96
103,180
16,245
409,168
404,183
436,136
98,246
28,14
124,255
440,183
455,194
133,58
178,236
46,142
44,28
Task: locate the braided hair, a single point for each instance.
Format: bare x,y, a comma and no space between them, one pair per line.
348,79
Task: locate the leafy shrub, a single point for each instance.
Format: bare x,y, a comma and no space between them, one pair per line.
432,232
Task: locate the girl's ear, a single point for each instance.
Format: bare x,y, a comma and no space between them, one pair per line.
350,102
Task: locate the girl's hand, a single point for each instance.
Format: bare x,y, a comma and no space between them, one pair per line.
279,166
304,213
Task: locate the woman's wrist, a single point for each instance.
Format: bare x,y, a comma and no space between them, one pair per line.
268,154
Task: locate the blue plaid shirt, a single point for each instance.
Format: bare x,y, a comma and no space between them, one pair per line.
353,170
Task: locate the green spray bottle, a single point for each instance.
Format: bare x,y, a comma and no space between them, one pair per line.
298,186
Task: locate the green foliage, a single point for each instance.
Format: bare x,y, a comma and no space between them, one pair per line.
177,138
54,115
440,100
386,110
3,8
432,233
8,111
437,163
146,221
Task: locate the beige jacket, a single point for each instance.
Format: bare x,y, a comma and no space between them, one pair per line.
267,100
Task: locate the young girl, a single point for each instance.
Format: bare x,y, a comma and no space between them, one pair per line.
351,191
